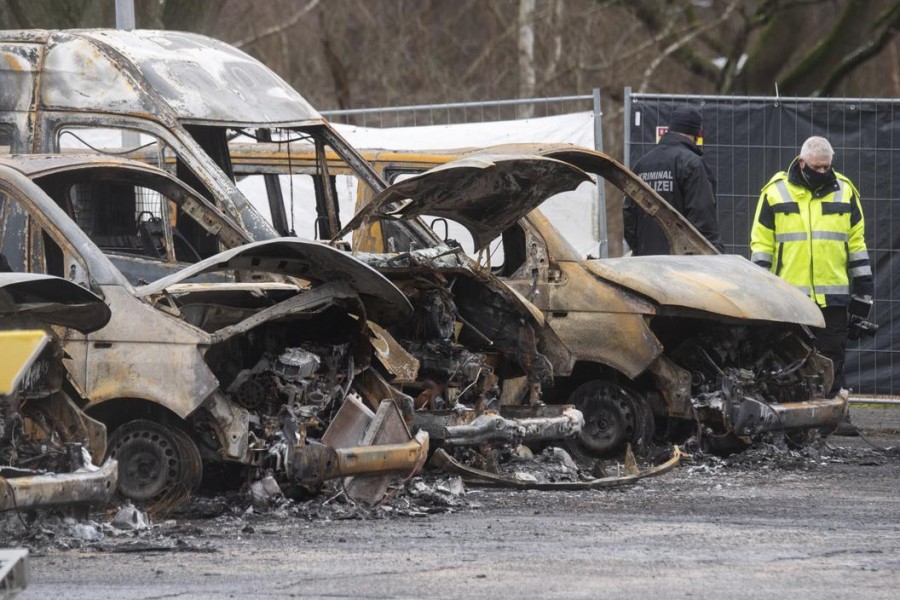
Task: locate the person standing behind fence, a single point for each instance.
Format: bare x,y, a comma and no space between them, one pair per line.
675,170
809,230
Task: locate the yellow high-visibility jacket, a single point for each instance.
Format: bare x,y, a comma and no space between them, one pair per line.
813,240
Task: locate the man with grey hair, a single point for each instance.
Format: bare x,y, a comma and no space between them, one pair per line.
809,231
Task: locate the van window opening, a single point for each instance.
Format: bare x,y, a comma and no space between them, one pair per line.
105,151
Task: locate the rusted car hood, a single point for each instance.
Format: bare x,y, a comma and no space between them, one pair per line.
52,300
726,285
486,193
308,260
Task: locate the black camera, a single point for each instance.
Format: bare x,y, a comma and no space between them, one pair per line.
859,325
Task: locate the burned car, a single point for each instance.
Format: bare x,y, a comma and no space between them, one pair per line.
49,448
243,357
660,346
483,350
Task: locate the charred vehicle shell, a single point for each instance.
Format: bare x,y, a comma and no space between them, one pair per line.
48,446
709,339
482,349
244,356
652,346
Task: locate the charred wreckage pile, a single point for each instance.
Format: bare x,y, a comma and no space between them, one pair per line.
192,341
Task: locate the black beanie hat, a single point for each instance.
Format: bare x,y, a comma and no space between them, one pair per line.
686,119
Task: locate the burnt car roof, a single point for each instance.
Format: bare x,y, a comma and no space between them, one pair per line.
53,300
198,78
305,259
485,192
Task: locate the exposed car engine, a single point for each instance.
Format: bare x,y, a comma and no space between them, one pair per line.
451,374
740,373
290,396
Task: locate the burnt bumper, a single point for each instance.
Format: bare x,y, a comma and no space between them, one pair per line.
60,489
751,416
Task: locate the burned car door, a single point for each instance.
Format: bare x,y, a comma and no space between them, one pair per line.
109,363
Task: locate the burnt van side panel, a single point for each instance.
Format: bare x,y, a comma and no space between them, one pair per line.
20,66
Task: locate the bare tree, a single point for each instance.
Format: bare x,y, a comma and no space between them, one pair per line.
527,75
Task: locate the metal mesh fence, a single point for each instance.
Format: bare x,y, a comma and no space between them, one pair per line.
489,111
746,140
465,112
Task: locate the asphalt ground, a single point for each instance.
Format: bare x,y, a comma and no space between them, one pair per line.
818,524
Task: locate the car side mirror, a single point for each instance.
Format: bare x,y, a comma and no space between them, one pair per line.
446,227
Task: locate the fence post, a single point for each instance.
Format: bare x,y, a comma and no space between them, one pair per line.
125,14
601,186
627,133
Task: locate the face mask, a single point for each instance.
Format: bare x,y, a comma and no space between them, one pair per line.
816,179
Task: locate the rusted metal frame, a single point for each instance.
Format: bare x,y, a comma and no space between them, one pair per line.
36,95
280,158
477,477
352,157
393,356
60,489
361,433
68,417
675,385
231,424
274,193
327,192
233,203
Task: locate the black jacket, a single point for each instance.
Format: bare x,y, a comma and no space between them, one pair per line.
674,169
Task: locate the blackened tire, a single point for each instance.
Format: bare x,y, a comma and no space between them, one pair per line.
156,462
614,416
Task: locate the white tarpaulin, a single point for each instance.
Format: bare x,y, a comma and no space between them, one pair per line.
575,128
574,213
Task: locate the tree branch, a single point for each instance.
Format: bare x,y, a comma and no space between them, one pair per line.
673,47
278,28
890,22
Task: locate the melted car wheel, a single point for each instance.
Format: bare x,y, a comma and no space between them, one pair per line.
156,462
613,417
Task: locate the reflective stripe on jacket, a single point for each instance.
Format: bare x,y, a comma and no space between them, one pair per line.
815,241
